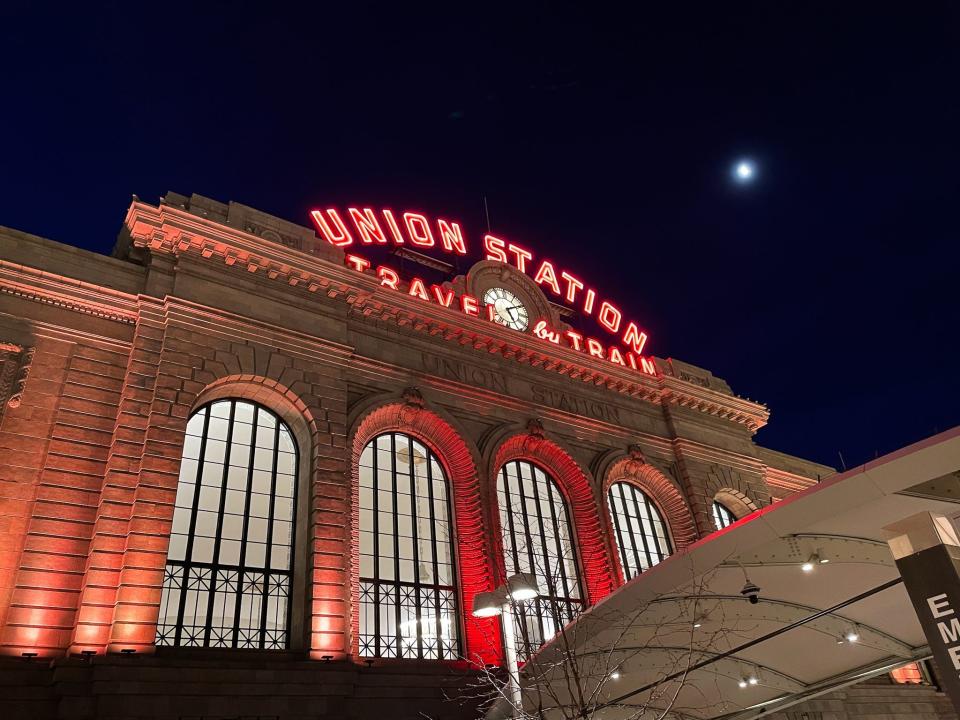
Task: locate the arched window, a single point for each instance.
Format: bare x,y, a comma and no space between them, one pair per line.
230,562
641,534
722,517
408,587
538,539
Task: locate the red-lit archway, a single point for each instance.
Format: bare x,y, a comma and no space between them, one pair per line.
573,482
481,638
667,497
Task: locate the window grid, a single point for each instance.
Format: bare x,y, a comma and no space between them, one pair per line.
228,573
722,517
408,605
538,539
642,538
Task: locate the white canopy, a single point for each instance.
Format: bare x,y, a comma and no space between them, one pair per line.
688,613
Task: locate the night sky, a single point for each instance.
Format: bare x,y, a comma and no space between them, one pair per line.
826,289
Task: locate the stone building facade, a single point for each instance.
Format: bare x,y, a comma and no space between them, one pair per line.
104,360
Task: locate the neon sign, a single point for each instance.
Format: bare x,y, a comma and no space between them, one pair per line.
367,228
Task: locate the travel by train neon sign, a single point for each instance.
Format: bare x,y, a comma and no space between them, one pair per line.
365,227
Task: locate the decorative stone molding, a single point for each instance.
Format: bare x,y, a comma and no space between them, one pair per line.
735,501
15,362
412,404
38,286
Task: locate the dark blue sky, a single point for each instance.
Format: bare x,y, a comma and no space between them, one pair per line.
827,290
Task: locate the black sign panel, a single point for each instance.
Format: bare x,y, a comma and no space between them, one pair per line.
932,578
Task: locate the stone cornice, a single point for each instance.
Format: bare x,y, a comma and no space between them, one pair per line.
57,290
786,481
712,454
169,230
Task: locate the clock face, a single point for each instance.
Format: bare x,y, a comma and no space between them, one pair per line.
507,308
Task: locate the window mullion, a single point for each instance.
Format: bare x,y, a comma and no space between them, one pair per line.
650,510
621,547
219,533
638,509
529,539
375,453
398,612
558,545
637,541
241,566
188,554
294,515
435,550
514,554
268,552
416,547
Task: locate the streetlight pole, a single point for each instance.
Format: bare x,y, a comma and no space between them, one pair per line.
510,658
519,587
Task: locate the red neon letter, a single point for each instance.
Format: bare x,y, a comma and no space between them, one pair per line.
494,247
648,366
522,257
575,339
388,278
468,303
615,356
634,338
438,292
609,317
588,302
419,229
572,286
367,226
357,262
547,275
394,228
338,236
418,289
451,238
544,333
594,348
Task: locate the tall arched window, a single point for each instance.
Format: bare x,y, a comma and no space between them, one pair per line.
722,517
538,539
642,537
408,587
229,566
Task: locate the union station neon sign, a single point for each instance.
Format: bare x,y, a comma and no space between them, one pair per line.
366,227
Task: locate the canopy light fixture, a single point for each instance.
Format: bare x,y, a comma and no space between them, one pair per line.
852,635
488,604
615,675
523,586
742,683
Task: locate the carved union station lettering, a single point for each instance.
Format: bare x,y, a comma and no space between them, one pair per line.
462,372
572,403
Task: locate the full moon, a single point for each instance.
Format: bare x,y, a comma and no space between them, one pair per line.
744,171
